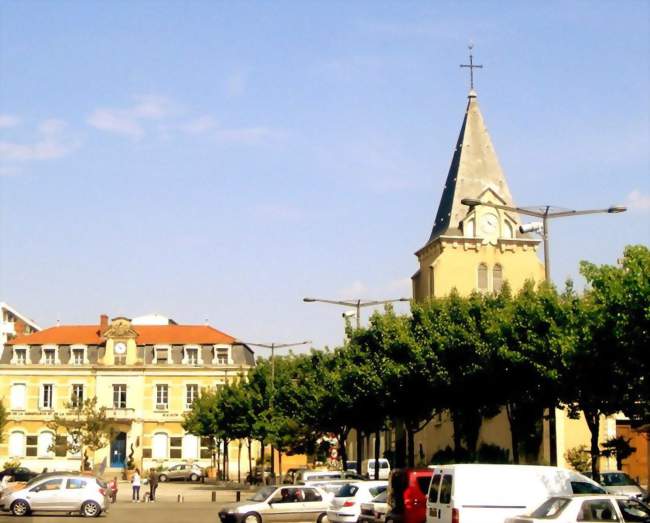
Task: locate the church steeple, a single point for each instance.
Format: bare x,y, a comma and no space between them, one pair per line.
474,169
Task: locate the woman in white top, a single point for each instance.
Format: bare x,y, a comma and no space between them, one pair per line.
135,484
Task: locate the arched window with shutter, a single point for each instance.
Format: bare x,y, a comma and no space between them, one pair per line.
482,277
497,277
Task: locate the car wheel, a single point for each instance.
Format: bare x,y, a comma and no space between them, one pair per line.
20,507
252,517
162,478
322,518
194,477
90,509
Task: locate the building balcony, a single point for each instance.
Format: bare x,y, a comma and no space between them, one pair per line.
120,414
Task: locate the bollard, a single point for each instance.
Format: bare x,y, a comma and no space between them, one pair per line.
238,498
180,498
214,496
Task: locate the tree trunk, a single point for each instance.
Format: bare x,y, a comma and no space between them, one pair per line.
514,435
218,458
377,450
593,422
239,461
411,446
262,456
249,445
400,444
359,450
458,438
343,436
280,466
225,460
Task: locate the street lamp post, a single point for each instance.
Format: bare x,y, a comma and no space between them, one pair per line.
357,304
546,213
273,346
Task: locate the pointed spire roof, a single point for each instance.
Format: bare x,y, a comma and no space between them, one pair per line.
474,169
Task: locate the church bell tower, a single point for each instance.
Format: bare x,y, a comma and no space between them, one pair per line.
480,247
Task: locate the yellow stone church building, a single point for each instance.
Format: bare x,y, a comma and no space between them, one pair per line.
478,248
146,372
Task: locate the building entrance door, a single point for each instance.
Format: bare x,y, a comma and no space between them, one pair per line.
118,451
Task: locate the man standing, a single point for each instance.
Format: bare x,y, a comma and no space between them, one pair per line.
153,484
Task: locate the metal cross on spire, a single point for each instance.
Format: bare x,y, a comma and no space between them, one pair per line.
471,66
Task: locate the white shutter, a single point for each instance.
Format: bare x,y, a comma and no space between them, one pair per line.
190,446
160,446
45,440
18,396
16,444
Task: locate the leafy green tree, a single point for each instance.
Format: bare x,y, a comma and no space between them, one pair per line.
620,301
526,362
456,329
204,418
84,426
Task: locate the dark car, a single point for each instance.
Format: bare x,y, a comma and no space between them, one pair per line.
19,474
407,495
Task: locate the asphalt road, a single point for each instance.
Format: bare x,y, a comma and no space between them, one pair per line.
163,512
196,508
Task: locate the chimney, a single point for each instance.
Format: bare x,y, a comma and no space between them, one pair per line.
19,327
103,324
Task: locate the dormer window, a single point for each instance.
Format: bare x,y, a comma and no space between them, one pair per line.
78,355
191,356
49,355
221,355
161,354
20,356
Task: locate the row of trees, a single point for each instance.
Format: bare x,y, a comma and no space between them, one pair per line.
468,356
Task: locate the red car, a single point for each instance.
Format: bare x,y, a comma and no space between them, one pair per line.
407,495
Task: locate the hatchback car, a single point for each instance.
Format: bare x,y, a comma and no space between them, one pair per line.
580,507
71,492
617,482
278,503
346,504
182,471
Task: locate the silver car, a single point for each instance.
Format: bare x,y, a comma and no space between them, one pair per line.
183,471
57,492
281,503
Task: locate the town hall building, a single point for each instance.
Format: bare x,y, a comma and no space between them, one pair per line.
146,372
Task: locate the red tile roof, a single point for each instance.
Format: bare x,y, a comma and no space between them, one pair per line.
147,335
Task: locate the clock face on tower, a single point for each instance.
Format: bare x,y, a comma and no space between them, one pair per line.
489,223
120,348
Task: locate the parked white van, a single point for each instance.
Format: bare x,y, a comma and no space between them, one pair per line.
473,493
368,468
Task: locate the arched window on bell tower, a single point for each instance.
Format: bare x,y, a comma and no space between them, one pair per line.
497,278
482,277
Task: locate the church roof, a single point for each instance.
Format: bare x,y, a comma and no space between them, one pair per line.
474,169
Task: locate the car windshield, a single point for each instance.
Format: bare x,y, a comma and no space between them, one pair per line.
634,510
263,493
582,487
551,508
617,479
33,481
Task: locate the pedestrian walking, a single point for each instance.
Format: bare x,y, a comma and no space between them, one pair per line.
135,484
112,490
153,484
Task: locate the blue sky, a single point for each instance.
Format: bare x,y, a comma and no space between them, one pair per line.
222,160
